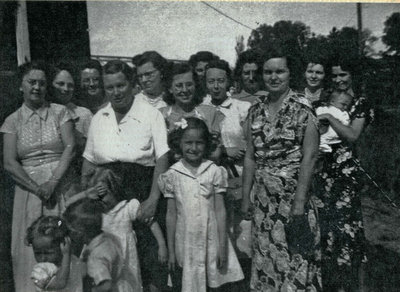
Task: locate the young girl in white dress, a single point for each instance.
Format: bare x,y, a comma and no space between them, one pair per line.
196,215
118,216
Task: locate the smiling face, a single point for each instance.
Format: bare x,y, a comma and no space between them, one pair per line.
276,76
183,88
315,74
34,88
46,250
63,87
90,82
150,79
249,77
193,146
217,84
119,91
342,80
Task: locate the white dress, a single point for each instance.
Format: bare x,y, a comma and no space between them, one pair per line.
118,222
196,237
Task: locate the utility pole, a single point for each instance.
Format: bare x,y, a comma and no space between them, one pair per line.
359,27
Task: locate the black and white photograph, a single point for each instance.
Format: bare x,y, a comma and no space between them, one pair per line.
199,146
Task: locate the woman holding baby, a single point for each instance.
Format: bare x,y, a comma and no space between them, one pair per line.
340,180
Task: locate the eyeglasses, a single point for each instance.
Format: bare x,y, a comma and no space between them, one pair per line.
148,75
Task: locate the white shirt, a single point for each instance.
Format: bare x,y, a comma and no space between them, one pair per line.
157,102
331,137
235,112
140,137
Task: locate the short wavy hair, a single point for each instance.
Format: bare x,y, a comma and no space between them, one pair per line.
117,66
222,65
202,56
55,69
24,69
176,69
249,56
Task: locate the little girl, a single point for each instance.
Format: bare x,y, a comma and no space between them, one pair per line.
57,269
196,227
118,216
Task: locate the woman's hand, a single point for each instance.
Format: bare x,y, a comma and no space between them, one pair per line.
147,210
162,254
222,257
235,153
324,119
171,261
297,208
46,190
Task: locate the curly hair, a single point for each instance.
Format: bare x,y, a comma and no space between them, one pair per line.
249,56
222,65
24,69
47,226
175,136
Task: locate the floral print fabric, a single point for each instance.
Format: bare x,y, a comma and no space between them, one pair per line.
338,184
277,146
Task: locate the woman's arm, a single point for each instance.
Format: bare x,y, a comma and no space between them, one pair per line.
310,156
249,166
148,207
14,167
171,227
88,169
350,133
220,213
68,139
162,247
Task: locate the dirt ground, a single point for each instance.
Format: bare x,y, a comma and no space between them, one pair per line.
382,230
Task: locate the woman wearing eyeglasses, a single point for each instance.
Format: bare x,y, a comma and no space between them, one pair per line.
151,73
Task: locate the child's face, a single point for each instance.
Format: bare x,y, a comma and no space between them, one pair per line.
193,146
46,250
341,102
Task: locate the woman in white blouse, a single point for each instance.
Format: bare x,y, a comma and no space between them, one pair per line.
129,136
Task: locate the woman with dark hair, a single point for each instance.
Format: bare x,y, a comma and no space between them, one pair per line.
281,153
248,73
91,94
39,146
62,91
314,78
129,136
198,62
340,182
151,69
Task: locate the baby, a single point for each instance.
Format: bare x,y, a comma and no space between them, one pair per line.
339,104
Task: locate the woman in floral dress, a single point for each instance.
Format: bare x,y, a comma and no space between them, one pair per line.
281,154
340,184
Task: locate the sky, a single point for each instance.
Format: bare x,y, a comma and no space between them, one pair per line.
179,29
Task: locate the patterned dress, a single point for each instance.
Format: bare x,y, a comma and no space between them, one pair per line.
339,184
277,148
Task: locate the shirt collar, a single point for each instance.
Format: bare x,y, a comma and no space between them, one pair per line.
180,167
27,113
226,104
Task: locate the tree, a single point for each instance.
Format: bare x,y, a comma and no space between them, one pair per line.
392,34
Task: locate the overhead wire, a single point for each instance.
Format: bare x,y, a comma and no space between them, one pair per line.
226,15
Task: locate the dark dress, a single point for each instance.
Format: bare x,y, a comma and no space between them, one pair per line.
339,183
277,148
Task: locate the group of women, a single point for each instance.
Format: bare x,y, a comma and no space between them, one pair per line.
266,136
